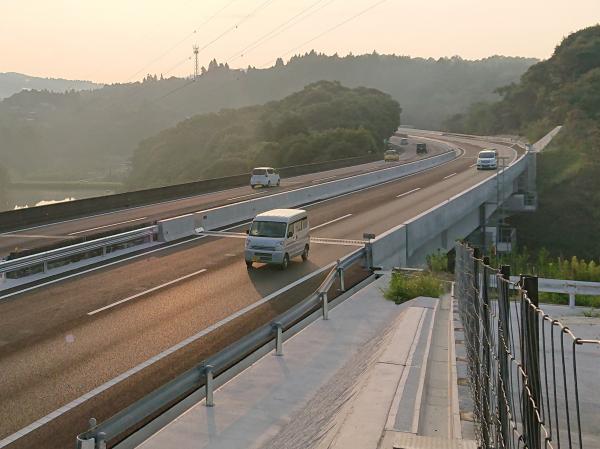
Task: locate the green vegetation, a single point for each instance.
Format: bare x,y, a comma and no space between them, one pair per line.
438,262
546,266
565,90
322,122
92,134
405,286
592,313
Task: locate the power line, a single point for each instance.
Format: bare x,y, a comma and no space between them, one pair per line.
335,27
225,33
278,30
181,41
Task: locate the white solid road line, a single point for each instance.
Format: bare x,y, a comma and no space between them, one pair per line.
473,165
136,369
107,226
408,193
145,292
331,221
449,176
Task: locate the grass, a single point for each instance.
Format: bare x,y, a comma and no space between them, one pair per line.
406,286
592,313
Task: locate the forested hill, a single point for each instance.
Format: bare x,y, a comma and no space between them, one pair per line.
322,122
565,89
78,134
11,83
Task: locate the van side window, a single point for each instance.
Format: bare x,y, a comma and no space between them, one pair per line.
291,229
270,171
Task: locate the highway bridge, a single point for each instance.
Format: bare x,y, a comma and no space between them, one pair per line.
63,336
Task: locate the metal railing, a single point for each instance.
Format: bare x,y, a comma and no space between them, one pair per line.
522,362
42,262
203,375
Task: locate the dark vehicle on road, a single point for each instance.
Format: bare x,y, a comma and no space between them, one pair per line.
421,148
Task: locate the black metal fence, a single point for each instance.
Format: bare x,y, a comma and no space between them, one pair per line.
522,362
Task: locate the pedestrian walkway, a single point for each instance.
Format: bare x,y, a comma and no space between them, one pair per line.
357,380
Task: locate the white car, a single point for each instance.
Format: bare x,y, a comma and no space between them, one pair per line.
264,176
276,236
487,160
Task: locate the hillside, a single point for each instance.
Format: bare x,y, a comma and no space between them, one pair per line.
12,83
322,122
565,89
92,134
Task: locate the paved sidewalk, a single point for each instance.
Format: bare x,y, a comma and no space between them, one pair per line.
340,384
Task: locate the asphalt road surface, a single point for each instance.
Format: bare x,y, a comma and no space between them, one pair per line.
61,341
39,236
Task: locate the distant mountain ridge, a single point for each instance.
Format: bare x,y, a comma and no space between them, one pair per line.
93,133
12,83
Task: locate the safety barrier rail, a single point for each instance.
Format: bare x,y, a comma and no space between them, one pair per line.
564,286
42,262
204,375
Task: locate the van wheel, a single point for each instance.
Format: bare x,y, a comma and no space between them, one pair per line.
305,254
249,264
278,182
286,262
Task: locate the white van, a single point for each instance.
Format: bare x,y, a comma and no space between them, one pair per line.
487,159
264,176
276,236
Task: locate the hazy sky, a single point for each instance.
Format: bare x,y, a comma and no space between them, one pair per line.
121,40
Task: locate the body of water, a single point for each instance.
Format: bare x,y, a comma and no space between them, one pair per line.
19,198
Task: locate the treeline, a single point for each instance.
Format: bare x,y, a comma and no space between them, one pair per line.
92,134
565,90
322,122
12,83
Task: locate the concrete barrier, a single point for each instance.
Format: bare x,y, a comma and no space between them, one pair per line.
176,228
236,213
15,219
409,243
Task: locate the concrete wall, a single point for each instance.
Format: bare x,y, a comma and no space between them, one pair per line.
176,228
439,227
15,219
236,213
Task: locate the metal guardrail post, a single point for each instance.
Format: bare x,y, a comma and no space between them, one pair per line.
208,371
571,289
504,386
101,443
278,338
340,273
531,363
325,305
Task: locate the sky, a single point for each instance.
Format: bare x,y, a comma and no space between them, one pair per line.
122,40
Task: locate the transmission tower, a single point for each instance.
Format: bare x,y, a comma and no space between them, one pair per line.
196,50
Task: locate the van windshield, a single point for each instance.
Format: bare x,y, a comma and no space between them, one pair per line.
268,229
259,171
487,155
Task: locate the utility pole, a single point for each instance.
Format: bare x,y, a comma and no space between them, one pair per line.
196,51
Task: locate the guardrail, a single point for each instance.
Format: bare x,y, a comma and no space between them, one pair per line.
206,374
565,286
61,257
219,217
11,220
